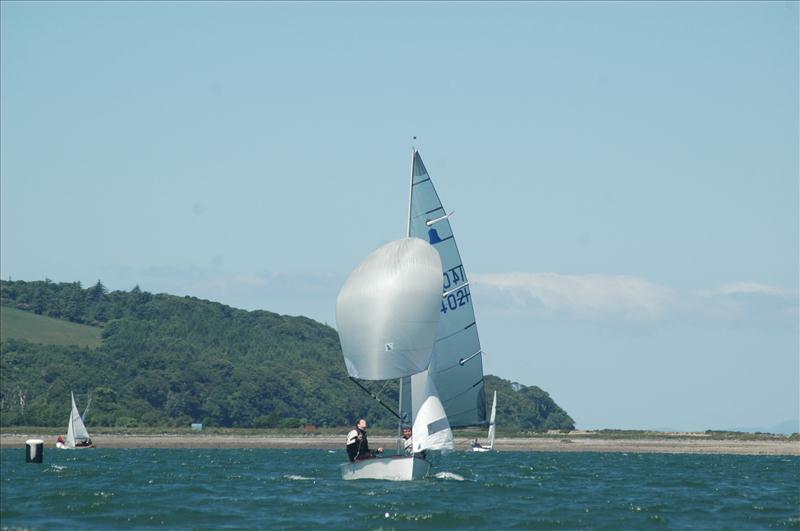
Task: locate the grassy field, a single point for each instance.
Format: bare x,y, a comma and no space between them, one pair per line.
18,324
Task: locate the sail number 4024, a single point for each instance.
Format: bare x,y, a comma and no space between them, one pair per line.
453,277
458,298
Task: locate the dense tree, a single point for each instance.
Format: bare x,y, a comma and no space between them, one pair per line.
169,361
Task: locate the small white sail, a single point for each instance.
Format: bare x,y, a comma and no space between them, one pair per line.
387,312
431,430
491,421
76,429
70,442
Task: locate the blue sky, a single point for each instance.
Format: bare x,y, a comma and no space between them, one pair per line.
624,176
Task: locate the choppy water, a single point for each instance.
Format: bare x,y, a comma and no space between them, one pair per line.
260,488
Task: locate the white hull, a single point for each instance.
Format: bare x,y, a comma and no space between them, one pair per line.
400,468
62,446
481,449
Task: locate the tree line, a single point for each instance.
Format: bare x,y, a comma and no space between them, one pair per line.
170,361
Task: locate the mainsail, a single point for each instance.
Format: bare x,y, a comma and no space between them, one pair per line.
76,429
388,310
456,365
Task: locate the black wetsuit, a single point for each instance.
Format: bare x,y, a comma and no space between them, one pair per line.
357,445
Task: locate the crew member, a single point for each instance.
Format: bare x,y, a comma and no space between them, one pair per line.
408,443
357,444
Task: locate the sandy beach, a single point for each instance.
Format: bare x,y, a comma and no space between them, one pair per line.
682,445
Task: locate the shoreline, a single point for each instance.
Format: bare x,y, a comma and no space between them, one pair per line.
567,443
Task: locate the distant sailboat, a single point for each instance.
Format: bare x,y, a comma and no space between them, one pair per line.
77,435
405,312
476,446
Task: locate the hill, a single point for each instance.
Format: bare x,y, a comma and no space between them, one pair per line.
19,324
169,361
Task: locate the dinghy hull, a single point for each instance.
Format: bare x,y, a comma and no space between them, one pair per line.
399,468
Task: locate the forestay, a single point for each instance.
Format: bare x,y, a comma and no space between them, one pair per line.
456,365
387,312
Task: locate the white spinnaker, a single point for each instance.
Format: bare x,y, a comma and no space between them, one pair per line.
491,421
456,364
431,430
387,312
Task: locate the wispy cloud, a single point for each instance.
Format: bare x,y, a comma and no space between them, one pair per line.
579,295
630,298
751,288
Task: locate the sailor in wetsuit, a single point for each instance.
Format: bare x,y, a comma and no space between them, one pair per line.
357,444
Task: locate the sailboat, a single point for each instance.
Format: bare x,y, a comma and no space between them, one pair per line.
77,435
476,446
406,312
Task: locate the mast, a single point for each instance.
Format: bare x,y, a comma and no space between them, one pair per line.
408,235
410,188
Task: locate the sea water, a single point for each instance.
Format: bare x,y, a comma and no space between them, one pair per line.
302,489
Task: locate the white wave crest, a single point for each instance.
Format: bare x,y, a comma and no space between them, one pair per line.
448,476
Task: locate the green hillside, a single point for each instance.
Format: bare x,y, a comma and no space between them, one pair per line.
19,324
169,361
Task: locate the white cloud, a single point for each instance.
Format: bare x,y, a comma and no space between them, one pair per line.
581,295
751,288
629,298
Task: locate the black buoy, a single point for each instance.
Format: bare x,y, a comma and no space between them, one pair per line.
34,451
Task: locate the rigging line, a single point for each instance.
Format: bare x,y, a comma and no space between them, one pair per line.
383,388
390,410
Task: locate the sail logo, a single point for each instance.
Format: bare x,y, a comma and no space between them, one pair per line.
388,347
